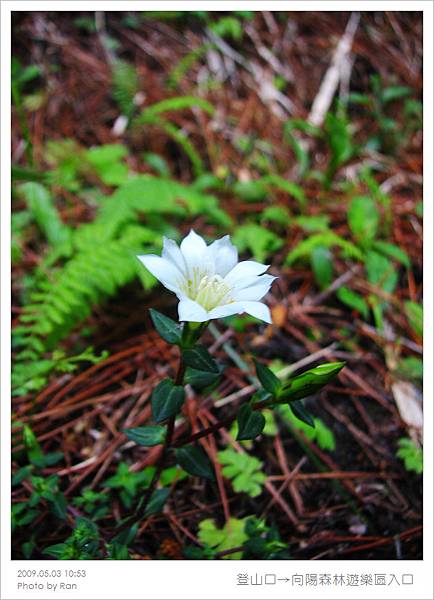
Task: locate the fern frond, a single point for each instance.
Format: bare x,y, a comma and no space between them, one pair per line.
149,114
180,138
95,273
125,86
327,239
186,63
44,212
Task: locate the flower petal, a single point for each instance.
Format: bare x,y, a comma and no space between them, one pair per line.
173,254
256,290
163,270
194,251
225,310
189,310
257,310
245,273
224,254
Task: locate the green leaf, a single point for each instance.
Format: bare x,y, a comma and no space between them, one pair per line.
270,424
46,460
410,367
149,114
207,181
23,174
107,162
82,544
199,358
259,241
106,156
261,395
157,501
313,223
287,186
22,474
250,423
177,133
339,138
158,163
268,379
198,553
28,548
43,210
392,251
118,546
309,382
125,86
130,482
327,239
301,413
167,329
200,379
20,74
324,436
321,261
411,454
353,300
232,535
171,474
414,312
277,213
252,191
34,452
300,151
357,98
380,271
363,218
320,434
59,505
151,435
166,400
244,471
194,460
59,551
228,27
395,92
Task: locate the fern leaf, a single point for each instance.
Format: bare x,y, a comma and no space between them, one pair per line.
172,104
327,239
41,206
125,86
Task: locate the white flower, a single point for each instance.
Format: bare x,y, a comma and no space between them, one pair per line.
209,281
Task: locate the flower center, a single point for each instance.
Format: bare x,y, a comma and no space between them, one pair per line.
212,291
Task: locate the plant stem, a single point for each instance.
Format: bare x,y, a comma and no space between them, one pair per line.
190,336
204,432
167,443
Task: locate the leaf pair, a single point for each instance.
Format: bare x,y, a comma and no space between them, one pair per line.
202,370
191,458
